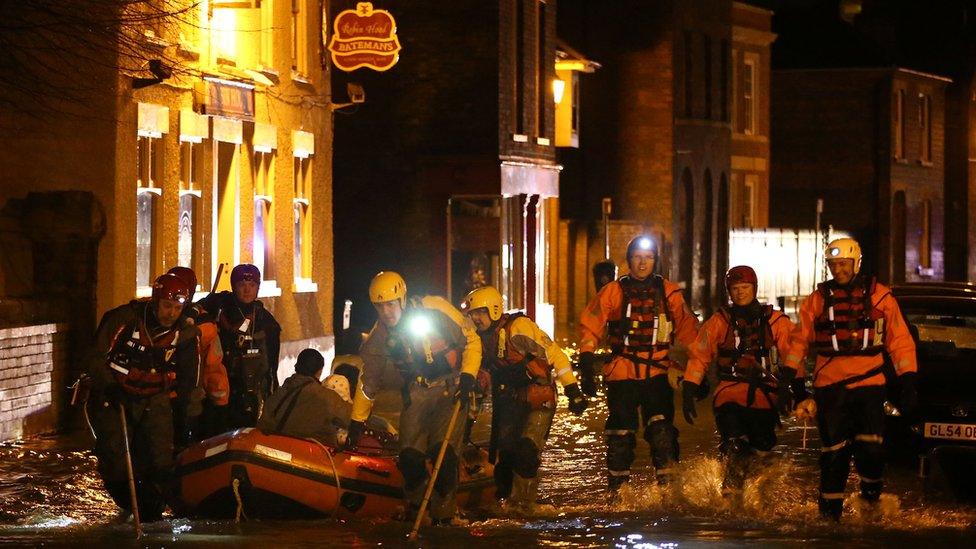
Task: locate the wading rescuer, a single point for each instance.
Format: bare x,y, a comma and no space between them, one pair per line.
250,338
746,337
145,360
850,321
212,370
524,364
644,315
437,353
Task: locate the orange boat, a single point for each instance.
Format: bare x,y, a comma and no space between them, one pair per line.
263,475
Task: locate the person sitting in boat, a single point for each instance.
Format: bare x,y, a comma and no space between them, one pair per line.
303,407
347,367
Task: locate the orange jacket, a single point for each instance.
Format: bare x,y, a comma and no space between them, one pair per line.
608,306
711,336
898,343
215,380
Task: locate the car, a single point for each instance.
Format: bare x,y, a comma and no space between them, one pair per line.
961,289
942,432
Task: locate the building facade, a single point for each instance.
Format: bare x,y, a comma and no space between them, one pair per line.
871,144
213,148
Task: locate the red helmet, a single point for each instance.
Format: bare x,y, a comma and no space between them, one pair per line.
740,274
187,275
169,286
245,271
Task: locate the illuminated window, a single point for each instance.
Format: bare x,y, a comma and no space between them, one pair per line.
925,123
303,146
749,94
899,116
299,36
149,160
236,36
264,240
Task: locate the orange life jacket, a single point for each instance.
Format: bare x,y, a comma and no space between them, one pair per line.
745,354
525,377
849,325
143,365
645,324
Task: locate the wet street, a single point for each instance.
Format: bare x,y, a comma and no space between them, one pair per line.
50,495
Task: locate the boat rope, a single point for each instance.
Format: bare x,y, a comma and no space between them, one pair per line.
240,503
335,472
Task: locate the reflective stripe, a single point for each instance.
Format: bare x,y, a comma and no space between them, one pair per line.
619,473
657,417
663,471
611,432
832,496
877,439
870,480
559,373
118,368
835,447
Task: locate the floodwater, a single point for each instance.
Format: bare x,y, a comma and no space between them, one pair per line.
50,495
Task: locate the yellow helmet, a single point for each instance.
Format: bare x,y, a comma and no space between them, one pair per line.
844,248
387,286
487,297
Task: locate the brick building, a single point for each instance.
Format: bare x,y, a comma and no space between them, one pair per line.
870,142
199,134
448,172
675,130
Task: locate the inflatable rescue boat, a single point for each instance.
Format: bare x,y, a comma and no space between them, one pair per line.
248,473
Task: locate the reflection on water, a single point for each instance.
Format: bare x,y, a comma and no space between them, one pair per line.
50,493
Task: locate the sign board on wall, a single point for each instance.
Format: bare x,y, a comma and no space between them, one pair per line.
364,37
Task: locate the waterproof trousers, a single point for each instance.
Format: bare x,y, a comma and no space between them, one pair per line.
150,427
851,423
634,404
519,433
743,433
423,427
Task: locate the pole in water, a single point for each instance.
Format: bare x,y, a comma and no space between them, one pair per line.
805,434
132,478
433,475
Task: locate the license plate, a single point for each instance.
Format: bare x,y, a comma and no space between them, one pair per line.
954,431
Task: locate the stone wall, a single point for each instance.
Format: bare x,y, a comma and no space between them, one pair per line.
32,370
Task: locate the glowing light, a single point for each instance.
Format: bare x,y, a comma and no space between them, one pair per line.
644,243
834,252
558,89
420,325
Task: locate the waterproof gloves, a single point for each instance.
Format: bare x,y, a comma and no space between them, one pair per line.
587,373
784,390
688,392
577,402
909,394
467,389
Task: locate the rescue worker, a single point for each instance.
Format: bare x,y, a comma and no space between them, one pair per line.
145,360
437,353
746,337
213,372
644,316
850,321
524,364
304,408
250,338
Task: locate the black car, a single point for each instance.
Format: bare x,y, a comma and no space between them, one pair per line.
943,431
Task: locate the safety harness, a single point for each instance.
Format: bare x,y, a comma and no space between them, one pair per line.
143,364
425,359
849,324
646,325
745,354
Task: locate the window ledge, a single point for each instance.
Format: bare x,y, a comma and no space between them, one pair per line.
269,288
520,138
143,291
926,163
901,160
544,141
304,286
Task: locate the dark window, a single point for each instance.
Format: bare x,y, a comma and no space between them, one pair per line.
542,85
687,71
724,84
519,61
708,76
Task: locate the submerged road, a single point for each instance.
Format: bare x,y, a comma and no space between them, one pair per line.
50,495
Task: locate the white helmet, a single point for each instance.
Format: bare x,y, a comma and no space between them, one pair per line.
844,248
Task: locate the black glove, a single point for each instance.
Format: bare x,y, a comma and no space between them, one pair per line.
908,394
467,389
353,433
784,390
577,402
688,390
587,373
